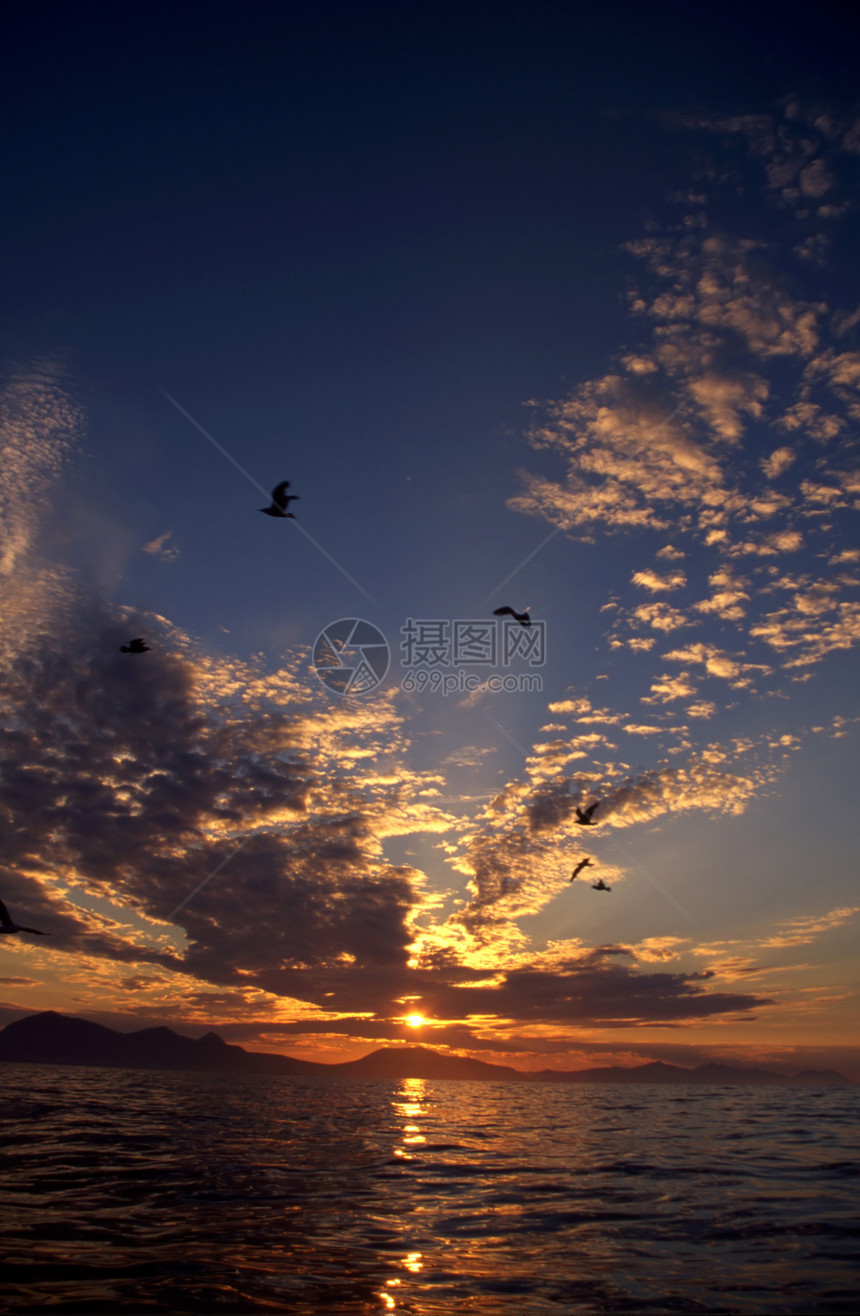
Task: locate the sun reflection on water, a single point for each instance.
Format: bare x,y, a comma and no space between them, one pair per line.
409,1105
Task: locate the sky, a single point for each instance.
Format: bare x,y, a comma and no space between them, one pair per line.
534,309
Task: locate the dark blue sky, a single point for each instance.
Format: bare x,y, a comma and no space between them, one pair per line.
207,188
366,232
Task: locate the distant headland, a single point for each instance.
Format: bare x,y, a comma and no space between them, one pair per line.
50,1038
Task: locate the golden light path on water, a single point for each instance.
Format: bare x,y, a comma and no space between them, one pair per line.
407,1104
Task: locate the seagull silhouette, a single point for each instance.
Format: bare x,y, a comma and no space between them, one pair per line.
600,885
522,617
584,815
280,498
134,646
8,925
583,863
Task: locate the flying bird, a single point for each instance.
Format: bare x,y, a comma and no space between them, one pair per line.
134,646
584,815
583,863
600,885
280,498
522,617
8,925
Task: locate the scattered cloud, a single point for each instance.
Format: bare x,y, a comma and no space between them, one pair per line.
160,548
650,580
728,598
659,616
40,428
667,688
716,662
704,708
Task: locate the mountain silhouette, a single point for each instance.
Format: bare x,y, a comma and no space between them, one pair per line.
421,1062
51,1038
658,1072
57,1039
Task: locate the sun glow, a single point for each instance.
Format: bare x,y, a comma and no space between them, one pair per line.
415,1020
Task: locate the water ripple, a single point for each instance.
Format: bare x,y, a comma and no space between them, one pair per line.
168,1192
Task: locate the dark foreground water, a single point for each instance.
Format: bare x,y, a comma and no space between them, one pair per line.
135,1191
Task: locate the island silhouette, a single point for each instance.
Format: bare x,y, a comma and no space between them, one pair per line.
50,1038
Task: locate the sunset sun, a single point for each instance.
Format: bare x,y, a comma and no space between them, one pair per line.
415,1020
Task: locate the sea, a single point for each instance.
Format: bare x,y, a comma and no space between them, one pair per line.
154,1191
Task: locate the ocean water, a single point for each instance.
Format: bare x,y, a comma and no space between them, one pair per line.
127,1190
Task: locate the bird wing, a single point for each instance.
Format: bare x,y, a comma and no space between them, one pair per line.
278,492
504,612
4,916
590,810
